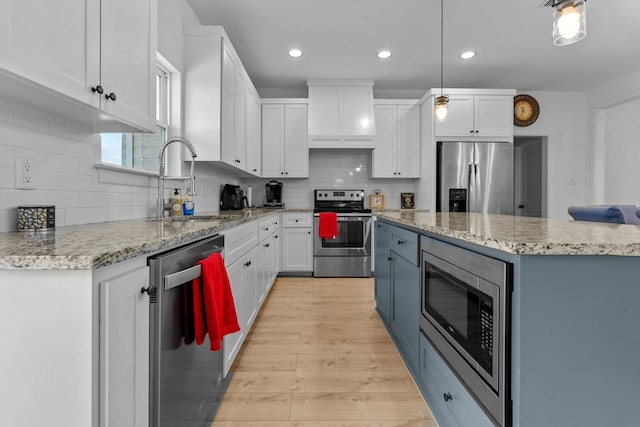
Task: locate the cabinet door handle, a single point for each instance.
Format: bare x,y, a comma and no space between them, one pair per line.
401,242
447,397
255,170
111,96
471,131
98,89
297,220
152,292
308,232
266,245
276,236
266,229
477,131
389,259
247,264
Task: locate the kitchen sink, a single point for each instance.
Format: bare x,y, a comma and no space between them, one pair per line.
187,218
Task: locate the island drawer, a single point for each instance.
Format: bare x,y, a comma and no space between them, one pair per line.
450,401
405,243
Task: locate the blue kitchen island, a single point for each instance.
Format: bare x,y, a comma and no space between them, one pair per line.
574,352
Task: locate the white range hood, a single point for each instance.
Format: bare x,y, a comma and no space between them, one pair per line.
341,114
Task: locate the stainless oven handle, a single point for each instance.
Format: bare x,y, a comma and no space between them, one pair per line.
183,276
349,215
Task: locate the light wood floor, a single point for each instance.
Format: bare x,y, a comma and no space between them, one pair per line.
319,356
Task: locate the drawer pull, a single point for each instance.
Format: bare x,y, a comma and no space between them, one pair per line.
447,397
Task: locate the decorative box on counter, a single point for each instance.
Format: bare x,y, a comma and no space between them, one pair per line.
36,219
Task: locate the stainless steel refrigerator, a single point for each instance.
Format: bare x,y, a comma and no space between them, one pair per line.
475,177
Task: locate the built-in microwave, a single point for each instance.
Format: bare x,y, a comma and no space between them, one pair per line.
465,313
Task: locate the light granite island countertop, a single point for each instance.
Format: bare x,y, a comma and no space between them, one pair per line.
523,235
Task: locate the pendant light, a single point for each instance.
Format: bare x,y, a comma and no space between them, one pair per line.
569,21
442,102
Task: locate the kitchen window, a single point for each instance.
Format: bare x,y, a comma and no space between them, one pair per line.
139,151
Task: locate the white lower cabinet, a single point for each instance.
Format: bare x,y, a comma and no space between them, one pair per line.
251,267
124,350
297,242
269,256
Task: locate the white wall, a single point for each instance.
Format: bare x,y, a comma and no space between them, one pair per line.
563,121
614,109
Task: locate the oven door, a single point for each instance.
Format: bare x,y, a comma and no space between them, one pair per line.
354,236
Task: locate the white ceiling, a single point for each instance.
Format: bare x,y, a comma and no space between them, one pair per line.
341,37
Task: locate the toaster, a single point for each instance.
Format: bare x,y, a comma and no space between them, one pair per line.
231,197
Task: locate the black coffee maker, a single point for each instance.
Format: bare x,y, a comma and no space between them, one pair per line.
273,195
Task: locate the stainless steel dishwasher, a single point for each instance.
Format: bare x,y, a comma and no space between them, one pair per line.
186,381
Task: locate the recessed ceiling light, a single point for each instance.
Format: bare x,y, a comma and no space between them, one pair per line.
295,53
384,54
468,54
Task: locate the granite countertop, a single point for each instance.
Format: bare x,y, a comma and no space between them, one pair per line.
91,246
525,236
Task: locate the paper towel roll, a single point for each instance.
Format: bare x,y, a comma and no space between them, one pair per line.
249,198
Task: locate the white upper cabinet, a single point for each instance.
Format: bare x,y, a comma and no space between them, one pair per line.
128,60
58,57
341,114
254,133
285,153
396,151
220,101
477,115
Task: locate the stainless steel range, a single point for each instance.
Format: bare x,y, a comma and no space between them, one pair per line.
349,254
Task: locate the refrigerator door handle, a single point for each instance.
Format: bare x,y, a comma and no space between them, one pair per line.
471,187
477,190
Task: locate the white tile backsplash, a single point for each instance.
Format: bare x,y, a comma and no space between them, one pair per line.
334,168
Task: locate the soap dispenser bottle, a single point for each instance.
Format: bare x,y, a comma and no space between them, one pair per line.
175,203
188,204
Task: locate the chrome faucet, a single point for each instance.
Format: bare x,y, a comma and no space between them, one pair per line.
161,172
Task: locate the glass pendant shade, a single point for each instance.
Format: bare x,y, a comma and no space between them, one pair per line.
569,22
442,108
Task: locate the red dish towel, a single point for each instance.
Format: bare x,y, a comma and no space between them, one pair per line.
328,225
214,311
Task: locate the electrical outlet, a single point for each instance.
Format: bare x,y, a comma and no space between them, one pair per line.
24,174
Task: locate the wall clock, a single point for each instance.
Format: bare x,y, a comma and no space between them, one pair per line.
377,201
525,110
